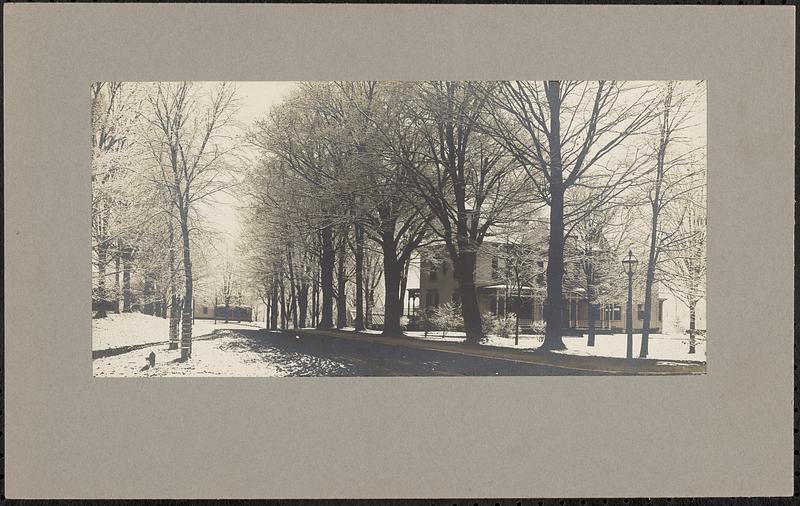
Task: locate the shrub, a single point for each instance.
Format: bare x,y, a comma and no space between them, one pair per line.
505,325
447,317
537,328
487,323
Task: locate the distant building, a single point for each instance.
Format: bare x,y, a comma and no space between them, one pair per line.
437,285
205,309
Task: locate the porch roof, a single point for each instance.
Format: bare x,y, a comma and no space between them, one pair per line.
503,286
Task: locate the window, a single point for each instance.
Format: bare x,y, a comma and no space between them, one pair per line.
640,311
432,298
205,309
495,268
493,304
432,273
616,313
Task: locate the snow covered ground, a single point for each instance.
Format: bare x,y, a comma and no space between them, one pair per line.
222,354
365,331
661,346
220,351
130,329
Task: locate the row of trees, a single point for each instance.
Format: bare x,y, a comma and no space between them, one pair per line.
160,151
348,174
351,179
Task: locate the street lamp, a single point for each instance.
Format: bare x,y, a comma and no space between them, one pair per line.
629,264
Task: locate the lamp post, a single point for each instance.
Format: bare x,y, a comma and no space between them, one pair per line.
629,264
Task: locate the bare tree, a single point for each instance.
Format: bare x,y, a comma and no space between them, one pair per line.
676,173
189,139
228,289
115,213
462,177
563,133
521,252
684,271
592,260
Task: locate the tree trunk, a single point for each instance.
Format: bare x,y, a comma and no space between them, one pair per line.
274,314
292,288
115,302
341,283
147,294
174,312
302,303
327,264
465,275
392,272
650,278
555,275
518,309
284,319
591,306
403,283
555,256
186,323
593,310
126,279
692,317
315,300
269,311
358,323
366,282
102,262
656,208
102,251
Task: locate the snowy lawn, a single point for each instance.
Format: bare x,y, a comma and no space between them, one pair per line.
453,337
661,347
226,353
353,329
130,329
222,356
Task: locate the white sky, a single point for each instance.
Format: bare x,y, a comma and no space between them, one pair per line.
256,98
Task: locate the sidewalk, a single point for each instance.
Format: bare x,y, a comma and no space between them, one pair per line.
607,365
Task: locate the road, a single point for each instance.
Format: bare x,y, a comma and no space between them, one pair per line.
331,355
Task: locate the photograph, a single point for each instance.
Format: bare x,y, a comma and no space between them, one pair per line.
398,228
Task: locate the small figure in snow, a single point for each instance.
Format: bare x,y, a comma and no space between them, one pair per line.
151,361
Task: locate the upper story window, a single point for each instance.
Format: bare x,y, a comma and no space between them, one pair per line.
640,311
432,298
495,268
432,273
